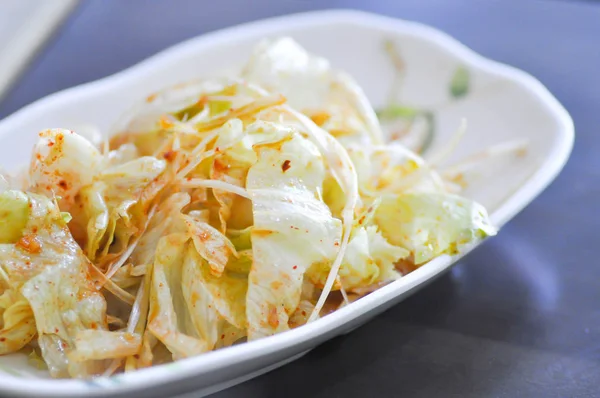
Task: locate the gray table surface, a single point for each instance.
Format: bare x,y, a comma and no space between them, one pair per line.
520,316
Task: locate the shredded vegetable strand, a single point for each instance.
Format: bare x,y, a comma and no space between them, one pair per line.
136,308
162,149
139,313
106,147
113,367
176,142
118,292
516,147
444,152
342,290
195,153
216,184
111,286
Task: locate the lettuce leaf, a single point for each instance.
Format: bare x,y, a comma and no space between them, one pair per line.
14,215
48,271
332,99
169,319
292,230
116,204
431,224
62,163
369,260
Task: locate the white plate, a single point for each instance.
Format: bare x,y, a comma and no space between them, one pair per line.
503,103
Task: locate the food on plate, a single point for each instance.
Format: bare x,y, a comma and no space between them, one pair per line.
221,211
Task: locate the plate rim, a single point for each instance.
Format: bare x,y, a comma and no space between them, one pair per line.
532,187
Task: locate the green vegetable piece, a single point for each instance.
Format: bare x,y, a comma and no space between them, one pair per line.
192,110
216,107
430,133
460,83
14,215
240,239
66,217
395,111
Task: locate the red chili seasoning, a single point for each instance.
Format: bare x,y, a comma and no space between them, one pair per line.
30,244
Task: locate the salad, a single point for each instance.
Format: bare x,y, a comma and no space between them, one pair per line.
221,211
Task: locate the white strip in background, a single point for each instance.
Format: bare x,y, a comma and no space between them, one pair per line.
24,26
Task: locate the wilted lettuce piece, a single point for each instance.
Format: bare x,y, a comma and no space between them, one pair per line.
189,306
369,260
148,142
115,204
169,318
392,169
230,335
14,215
302,313
16,321
102,344
331,98
242,264
125,153
431,224
292,230
183,311
46,269
132,176
199,303
384,254
231,166
203,291
212,245
65,303
193,297
62,163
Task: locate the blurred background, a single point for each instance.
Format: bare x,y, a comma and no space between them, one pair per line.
519,316
25,26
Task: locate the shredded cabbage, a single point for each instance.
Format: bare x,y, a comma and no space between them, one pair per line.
217,213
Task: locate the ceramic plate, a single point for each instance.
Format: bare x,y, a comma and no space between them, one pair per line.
441,76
